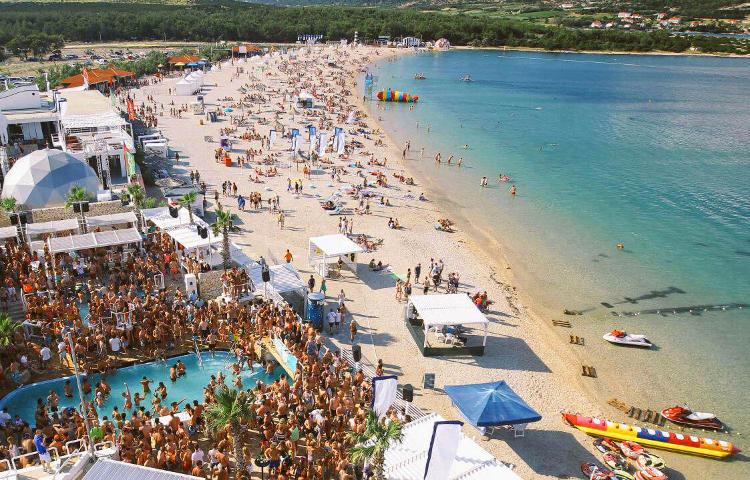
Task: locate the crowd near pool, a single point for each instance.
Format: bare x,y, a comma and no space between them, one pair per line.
22,401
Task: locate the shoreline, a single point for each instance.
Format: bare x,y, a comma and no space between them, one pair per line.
657,53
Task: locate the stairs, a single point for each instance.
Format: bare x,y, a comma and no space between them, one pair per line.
16,311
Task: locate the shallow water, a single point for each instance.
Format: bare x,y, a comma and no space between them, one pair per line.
648,151
188,387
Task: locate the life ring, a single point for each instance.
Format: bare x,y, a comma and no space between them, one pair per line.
631,449
650,473
650,460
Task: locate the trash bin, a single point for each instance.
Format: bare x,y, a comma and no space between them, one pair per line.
315,307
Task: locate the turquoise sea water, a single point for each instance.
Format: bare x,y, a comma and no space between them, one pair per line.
189,387
649,151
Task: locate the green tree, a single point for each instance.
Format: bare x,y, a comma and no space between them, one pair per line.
224,225
76,195
8,330
8,204
230,408
187,201
371,444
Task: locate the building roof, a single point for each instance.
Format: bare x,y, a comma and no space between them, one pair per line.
335,245
248,48
448,309
85,102
97,75
185,59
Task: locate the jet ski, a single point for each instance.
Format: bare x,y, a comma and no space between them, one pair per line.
686,416
623,338
467,78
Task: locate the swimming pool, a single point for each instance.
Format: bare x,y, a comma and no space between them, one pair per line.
22,401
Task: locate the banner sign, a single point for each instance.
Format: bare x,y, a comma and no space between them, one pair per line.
271,138
322,140
443,447
131,110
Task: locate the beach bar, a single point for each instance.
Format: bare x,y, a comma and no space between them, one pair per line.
329,249
443,316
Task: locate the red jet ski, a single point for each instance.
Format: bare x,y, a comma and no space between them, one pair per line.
686,416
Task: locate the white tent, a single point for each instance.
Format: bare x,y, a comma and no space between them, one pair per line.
328,249
185,87
51,227
8,232
446,310
94,240
112,219
188,237
407,460
284,278
164,221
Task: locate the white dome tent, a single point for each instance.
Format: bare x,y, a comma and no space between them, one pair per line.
44,177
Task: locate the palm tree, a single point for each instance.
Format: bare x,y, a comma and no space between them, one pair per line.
371,444
231,406
137,197
8,329
187,201
224,224
77,194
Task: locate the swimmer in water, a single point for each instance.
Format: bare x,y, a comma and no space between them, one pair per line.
620,246
450,159
460,161
437,158
466,146
513,191
483,182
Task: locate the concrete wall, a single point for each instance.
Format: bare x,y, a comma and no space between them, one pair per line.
60,213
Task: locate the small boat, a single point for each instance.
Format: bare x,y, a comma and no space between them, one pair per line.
629,339
650,460
595,472
676,442
631,450
686,416
650,473
467,78
419,76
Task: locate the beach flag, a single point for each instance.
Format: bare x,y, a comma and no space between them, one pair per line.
85,74
311,132
341,143
443,447
295,132
271,138
383,393
350,118
129,161
131,110
3,129
322,140
112,97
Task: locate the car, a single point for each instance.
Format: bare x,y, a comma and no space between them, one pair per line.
102,61
32,59
95,57
88,62
70,56
54,56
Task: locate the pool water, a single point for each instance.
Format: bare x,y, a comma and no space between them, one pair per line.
190,386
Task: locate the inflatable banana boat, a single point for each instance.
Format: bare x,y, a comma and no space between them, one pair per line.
396,96
675,442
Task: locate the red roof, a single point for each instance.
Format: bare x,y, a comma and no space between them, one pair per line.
184,59
250,48
98,75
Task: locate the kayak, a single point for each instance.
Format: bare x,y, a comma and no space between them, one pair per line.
686,416
623,338
676,442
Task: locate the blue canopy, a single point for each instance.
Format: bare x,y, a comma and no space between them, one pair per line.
490,404
201,62
191,64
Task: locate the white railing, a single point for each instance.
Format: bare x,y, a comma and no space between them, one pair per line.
31,454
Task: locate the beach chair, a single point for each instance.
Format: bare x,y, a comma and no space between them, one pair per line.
519,430
335,211
440,336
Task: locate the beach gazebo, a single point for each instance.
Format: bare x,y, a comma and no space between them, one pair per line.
443,316
328,249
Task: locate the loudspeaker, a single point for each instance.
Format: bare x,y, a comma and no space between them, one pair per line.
357,352
13,218
125,200
76,207
407,392
85,207
79,207
203,231
265,274
191,284
173,211
23,218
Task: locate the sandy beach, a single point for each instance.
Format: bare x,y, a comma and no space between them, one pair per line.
522,348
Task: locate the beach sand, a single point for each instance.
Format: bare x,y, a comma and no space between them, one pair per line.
521,349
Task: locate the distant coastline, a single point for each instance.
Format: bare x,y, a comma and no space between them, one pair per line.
604,52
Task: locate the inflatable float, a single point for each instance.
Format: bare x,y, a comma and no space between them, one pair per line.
396,96
675,442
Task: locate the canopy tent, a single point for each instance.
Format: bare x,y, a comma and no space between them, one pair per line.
188,237
8,232
491,404
52,227
186,87
160,217
328,249
284,278
438,311
94,240
112,219
406,460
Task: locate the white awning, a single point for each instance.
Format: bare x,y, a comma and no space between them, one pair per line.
8,232
188,237
94,240
164,221
334,245
449,309
108,468
107,119
51,227
407,460
284,278
113,219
